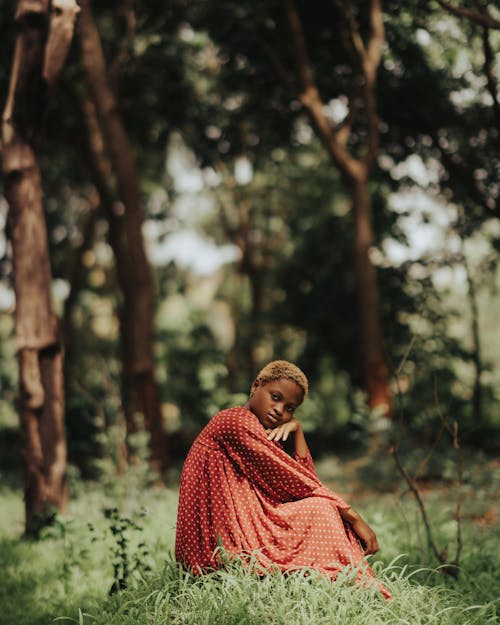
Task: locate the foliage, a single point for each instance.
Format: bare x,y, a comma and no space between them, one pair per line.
211,75
125,563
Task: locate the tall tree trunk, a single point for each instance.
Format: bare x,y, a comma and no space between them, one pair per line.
236,218
138,305
39,55
477,395
101,171
76,281
476,355
355,171
375,369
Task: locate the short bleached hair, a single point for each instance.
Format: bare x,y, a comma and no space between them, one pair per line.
278,369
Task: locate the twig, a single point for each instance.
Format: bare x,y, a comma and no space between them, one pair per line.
406,354
489,72
447,567
453,431
416,493
481,17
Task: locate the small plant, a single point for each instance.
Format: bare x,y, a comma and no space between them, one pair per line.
125,563
74,551
448,566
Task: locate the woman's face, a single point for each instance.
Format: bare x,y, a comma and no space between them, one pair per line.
274,402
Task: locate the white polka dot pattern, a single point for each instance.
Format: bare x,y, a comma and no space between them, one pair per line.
245,492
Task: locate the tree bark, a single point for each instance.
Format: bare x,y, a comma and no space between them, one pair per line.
355,171
41,405
476,354
477,394
76,280
375,370
101,171
141,389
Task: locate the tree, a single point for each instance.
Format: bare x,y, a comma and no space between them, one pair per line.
41,46
134,274
354,169
453,134
266,42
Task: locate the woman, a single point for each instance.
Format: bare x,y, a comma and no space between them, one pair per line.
241,490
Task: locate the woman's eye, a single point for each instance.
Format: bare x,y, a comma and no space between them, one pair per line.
275,397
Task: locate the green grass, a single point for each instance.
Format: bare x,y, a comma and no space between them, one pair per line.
68,574
236,596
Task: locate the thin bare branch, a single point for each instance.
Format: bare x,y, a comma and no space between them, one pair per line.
406,354
491,81
458,509
416,493
453,567
61,28
448,568
123,54
480,17
279,68
302,61
462,171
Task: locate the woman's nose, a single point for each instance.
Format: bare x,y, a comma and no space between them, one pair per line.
278,409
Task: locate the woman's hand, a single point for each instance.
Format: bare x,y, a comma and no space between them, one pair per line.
367,535
282,432
362,529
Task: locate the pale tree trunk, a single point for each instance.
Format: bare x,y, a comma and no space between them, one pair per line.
476,354
137,285
477,395
101,171
76,280
355,171
40,51
237,222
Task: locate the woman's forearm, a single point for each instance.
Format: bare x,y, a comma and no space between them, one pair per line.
301,448
362,529
350,515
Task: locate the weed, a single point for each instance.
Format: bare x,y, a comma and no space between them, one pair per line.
125,561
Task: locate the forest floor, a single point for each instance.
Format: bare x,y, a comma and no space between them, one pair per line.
123,522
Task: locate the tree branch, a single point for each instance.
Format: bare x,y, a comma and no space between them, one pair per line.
301,55
416,493
368,57
491,81
123,54
460,170
279,67
377,38
311,99
480,17
61,28
452,568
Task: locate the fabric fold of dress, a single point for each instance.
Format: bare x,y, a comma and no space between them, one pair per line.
244,492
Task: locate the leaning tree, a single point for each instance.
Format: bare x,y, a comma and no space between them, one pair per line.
41,43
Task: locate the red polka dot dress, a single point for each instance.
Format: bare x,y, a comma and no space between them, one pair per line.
245,492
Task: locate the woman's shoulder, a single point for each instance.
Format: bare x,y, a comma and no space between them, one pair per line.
235,414
232,420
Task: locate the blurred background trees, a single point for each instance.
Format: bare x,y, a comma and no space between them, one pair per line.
200,185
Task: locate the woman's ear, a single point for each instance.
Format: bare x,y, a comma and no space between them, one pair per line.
255,386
